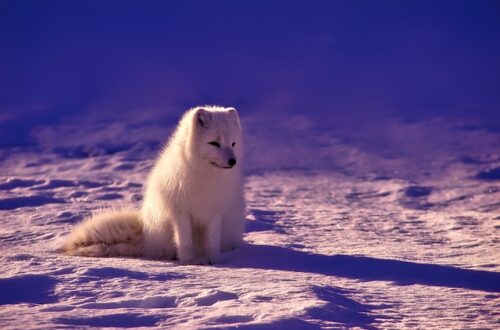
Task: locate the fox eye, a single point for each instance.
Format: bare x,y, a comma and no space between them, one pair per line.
233,144
214,143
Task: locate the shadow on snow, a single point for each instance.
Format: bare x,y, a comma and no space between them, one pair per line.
128,320
31,288
363,268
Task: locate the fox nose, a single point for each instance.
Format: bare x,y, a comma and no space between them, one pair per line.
232,162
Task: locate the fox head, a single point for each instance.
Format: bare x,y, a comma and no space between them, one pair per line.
217,136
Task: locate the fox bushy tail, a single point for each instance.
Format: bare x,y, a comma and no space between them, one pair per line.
108,234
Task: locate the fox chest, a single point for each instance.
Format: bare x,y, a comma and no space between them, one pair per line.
210,199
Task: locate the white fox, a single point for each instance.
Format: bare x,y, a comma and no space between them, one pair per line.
193,205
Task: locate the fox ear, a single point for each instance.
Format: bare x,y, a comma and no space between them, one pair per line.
203,117
234,114
232,111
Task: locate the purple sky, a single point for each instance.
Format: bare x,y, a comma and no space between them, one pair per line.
333,59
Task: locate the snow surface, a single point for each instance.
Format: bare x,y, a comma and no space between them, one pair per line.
391,225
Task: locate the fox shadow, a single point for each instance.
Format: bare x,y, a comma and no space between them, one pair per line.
363,268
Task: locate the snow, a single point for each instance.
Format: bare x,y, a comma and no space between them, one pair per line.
389,225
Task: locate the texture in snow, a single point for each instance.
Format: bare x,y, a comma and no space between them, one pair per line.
372,167
392,225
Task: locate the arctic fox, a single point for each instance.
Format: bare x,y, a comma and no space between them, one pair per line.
193,206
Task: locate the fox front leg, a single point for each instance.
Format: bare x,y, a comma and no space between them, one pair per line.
212,242
184,239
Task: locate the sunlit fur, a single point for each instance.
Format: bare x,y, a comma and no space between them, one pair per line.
193,204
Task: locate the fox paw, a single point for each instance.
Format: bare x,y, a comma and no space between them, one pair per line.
230,246
186,256
204,260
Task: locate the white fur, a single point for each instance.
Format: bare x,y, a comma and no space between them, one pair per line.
193,206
